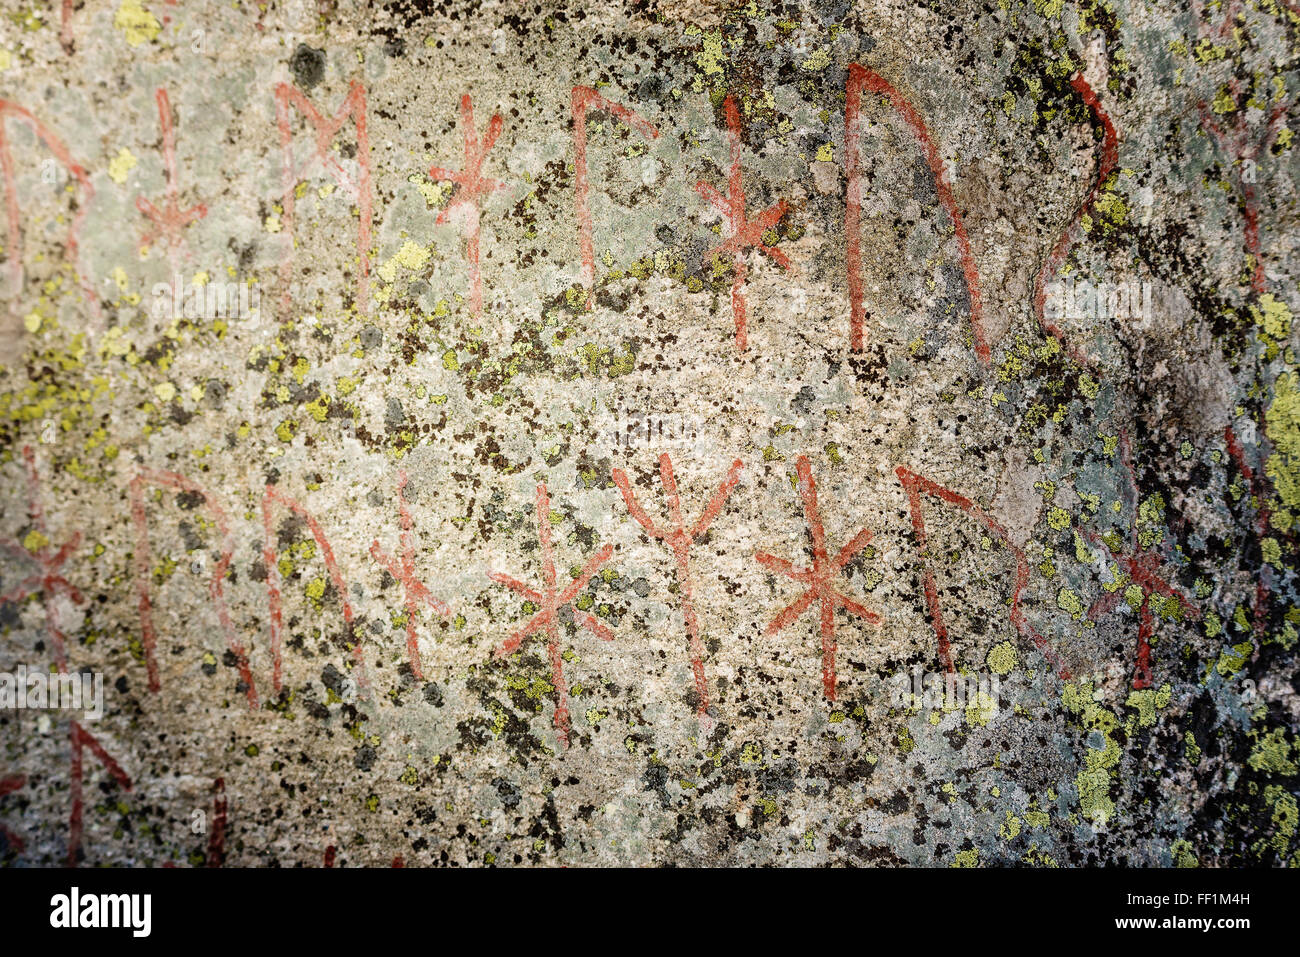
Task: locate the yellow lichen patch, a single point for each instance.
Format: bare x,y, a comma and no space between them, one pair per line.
1282,423
1002,658
1147,701
1234,659
1272,753
137,23
121,165
411,256
1103,754
967,858
1272,317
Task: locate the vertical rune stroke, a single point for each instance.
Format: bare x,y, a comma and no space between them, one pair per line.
169,222
272,496
740,233
50,582
472,190
1143,568
14,245
357,189
142,567
550,600
677,538
914,484
584,99
413,589
1105,166
819,578
861,78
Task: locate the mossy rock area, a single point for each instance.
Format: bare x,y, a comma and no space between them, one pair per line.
649,433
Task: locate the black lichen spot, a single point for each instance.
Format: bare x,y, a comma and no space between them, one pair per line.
308,66
364,759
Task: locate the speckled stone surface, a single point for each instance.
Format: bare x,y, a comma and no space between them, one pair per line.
521,433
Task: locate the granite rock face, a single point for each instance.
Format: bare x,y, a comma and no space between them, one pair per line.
531,433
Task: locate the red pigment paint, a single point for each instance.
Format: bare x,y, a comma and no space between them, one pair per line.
584,98
1262,516
472,190
143,561
358,190
65,29
1235,144
680,541
550,600
217,836
169,222
47,581
914,484
739,233
81,738
14,246
861,78
1105,166
1143,567
272,496
8,785
404,571
330,853
819,578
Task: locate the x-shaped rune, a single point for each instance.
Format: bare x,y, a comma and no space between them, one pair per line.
740,233
819,578
1143,568
47,581
680,541
170,221
550,600
404,572
472,189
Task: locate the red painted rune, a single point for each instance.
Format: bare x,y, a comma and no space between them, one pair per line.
1143,568
583,100
82,739
862,79
914,484
680,541
1106,163
9,176
274,591
217,836
47,581
740,234
357,188
549,600
404,571
169,222
1263,519
472,189
8,785
142,562
819,578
